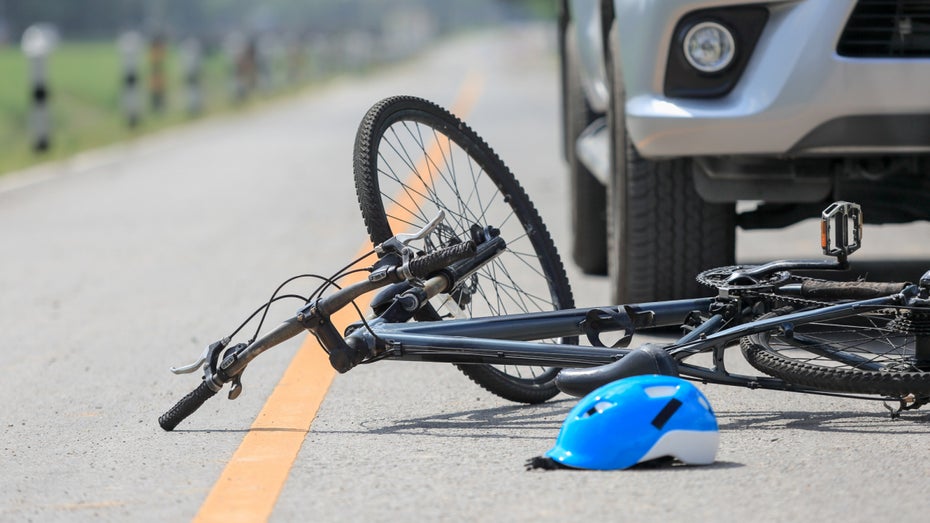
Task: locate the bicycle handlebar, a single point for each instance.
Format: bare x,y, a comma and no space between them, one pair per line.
437,260
235,362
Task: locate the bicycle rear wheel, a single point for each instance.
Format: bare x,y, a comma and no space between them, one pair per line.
884,352
413,159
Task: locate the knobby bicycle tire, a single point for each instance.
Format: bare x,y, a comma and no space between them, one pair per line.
413,158
872,352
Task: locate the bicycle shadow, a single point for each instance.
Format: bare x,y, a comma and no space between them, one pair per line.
539,421
509,421
542,421
849,421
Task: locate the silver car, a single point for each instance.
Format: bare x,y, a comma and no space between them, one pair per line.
674,110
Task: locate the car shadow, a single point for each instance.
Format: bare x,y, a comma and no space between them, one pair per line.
902,270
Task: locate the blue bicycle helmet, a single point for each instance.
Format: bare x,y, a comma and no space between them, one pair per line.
635,420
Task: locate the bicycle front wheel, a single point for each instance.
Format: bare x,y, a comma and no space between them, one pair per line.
884,352
413,159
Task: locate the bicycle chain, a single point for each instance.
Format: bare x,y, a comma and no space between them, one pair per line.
912,322
713,278
907,322
794,301
915,324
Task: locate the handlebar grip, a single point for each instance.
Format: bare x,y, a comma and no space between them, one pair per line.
186,406
437,260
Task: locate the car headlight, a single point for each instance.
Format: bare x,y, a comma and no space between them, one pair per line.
709,47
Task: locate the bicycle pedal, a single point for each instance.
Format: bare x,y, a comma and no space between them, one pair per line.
841,229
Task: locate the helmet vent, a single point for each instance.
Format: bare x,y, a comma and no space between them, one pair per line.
598,407
661,391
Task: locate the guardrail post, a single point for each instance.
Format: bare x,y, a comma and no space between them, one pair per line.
37,43
130,46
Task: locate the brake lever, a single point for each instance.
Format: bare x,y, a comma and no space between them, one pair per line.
202,360
398,242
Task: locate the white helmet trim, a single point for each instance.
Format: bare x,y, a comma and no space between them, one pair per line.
693,447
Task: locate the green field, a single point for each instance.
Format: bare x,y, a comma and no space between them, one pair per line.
86,100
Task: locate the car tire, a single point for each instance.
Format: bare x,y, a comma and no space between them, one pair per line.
661,234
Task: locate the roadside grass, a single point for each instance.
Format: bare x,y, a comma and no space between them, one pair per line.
84,80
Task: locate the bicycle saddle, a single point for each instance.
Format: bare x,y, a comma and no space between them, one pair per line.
646,359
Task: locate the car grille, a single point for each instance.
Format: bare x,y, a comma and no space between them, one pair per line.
887,28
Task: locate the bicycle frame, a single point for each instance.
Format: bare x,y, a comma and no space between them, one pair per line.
499,340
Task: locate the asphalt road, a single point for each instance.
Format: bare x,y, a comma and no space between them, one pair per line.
120,263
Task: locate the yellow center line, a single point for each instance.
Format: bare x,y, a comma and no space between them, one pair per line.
249,486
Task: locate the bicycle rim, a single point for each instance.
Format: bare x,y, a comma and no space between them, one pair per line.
414,159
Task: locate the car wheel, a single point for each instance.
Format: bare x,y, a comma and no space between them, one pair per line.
661,234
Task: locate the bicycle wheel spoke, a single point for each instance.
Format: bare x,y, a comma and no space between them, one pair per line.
414,160
827,352
873,352
867,347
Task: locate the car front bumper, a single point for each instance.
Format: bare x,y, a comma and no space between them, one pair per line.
796,97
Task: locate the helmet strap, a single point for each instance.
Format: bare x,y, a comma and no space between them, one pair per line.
543,462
